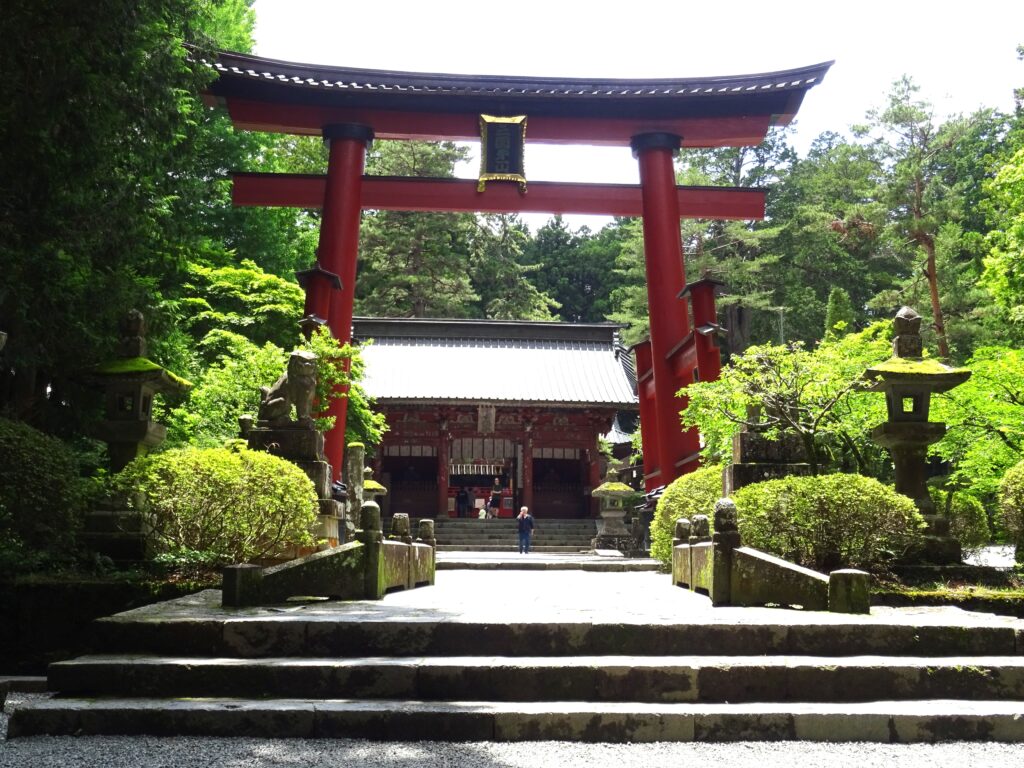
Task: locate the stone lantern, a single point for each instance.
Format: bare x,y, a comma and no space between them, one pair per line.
130,383
908,381
371,487
612,494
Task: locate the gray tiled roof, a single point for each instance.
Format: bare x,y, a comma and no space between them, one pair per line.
313,76
482,361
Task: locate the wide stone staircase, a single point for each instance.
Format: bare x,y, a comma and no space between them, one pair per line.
315,671
501,535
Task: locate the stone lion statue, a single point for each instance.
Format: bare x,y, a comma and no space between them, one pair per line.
297,386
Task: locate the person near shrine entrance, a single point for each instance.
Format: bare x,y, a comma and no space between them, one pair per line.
525,525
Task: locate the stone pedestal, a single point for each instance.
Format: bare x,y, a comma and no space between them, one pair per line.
755,458
300,443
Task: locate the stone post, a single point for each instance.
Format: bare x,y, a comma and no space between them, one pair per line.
372,538
426,533
355,457
400,527
241,585
725,540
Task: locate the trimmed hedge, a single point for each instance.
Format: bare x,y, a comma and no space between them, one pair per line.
41,498
692,494
828,521
1011,506
222,505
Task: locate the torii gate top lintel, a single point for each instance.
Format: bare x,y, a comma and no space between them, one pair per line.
288,97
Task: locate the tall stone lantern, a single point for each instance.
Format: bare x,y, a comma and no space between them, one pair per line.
612,494
130,382
908,381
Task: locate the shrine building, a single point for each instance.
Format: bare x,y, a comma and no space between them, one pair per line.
468,401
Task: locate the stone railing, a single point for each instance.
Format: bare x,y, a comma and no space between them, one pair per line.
366,568
730,574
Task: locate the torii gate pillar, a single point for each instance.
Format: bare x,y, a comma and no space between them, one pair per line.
663,257
330,293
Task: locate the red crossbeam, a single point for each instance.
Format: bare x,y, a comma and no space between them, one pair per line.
457,195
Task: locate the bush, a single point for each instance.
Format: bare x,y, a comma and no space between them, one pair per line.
692,494
41,498
829,521
968,522
221,505
1011,506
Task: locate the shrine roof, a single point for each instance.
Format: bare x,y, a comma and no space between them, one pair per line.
251,78
496,361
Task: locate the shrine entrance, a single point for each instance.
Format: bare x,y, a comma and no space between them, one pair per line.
656,118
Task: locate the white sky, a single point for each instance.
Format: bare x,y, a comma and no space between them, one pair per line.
962,54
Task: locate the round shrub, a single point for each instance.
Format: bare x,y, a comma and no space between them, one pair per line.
1011,506
968,522
692,494
41,496
829,521
221,504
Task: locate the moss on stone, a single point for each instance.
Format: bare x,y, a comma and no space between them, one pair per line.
129,365
610,488
927,366
373,487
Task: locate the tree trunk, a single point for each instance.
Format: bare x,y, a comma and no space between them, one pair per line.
931,272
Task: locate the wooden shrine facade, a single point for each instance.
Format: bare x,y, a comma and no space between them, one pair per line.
470,401
655,118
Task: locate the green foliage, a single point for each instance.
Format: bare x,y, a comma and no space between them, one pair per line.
218,505
1004,264
1011,506
968,522
839,316
228,388
985,421
41,498
243,299
828,522
692,494
339,371
815,394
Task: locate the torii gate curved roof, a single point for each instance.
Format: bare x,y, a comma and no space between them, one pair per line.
282,96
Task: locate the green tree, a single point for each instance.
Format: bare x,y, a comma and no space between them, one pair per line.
415,264
499,277
815,394
839,316
985,421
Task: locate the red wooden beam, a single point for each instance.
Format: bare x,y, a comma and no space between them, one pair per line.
696,131
403,194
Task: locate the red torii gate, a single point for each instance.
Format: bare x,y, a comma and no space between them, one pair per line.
349,107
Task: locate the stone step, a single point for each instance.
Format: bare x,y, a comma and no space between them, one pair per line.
401,720
513,547
291,634
734,679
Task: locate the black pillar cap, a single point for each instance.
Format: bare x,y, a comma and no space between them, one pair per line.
644,141
310,323
348,131
305,276
718,285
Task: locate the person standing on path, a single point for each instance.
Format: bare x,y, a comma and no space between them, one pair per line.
525,521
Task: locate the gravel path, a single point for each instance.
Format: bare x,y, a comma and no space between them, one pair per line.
180,752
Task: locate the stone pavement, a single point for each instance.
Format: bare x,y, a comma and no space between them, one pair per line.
607,561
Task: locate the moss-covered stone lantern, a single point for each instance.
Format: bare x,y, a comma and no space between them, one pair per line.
371,488
130,382
612,495
908,380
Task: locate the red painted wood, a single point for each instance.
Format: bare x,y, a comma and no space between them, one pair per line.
399,194
663,258
648,435
339,247
743,130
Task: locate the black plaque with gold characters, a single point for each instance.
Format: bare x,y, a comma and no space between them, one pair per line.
501,150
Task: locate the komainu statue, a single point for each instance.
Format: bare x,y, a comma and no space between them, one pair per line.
297,386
